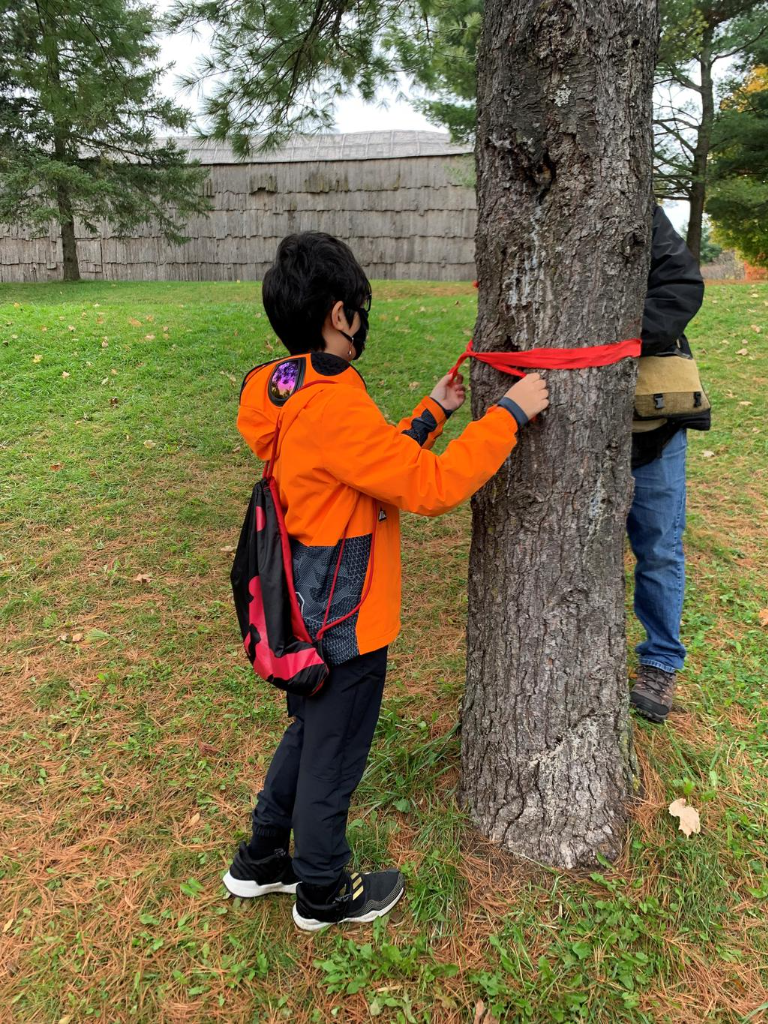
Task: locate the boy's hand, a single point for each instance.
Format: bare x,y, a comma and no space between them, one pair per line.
531,394
450,394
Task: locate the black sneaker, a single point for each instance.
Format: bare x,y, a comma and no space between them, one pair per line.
248,877
360,898
653,693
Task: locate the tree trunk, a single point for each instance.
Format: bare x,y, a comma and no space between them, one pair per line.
698,191
68,240
67,221
564,202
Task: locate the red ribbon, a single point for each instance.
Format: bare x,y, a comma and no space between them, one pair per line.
553,358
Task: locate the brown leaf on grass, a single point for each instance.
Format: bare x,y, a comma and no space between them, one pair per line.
64,637
37,359
689,816
134,322
763,617
228,548
56,466
413,385
149,444
755,328
483,1015
742,352
707,454
193,820
76,638
206,748
141,578
105,344
64,374
114,401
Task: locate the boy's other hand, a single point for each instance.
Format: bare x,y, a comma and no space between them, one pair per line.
531,394
450,393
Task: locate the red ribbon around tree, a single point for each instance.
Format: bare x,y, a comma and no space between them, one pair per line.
553,358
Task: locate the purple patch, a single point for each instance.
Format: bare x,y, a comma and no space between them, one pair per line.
283,381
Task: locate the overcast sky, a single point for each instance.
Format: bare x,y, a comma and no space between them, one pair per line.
352,114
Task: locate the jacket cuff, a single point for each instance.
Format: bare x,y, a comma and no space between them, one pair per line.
514,410
440,413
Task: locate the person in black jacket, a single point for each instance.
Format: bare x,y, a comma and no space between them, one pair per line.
657,517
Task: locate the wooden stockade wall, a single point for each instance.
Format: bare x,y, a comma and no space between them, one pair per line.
397,198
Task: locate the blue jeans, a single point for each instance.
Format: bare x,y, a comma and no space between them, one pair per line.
655,527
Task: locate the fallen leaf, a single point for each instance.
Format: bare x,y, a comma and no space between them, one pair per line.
206,748
8,924
113,372
43,328
689,816
141,578
755,328
65,1019
114,401
17,305
76,638
149,444
763,617
37,359
134,322
413,385
483,1015
193,820
56,466
105,381
64,374
742,352
228,548
70,328
707,455
149,319
745,403
149,337
105,344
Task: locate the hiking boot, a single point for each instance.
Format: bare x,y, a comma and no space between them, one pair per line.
248,877
360,898
652,694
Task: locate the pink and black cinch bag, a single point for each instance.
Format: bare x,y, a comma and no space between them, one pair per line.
275,636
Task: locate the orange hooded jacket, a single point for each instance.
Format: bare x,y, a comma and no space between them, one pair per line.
343,472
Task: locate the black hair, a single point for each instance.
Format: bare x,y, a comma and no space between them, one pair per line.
312,271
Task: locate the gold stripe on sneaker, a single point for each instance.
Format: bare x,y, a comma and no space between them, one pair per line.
357,892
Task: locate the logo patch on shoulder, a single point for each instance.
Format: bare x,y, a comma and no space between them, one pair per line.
287,377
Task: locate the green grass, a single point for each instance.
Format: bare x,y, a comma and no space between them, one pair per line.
134,736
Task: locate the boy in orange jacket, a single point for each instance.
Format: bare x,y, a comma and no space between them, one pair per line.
343,475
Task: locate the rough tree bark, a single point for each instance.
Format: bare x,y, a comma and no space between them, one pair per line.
564,201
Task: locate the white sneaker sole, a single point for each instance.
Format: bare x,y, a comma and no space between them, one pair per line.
247,890
311,924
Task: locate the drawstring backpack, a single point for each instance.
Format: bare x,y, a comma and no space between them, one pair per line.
275,636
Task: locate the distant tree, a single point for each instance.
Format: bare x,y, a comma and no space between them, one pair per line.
696,36
710,250
79,115
738,200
